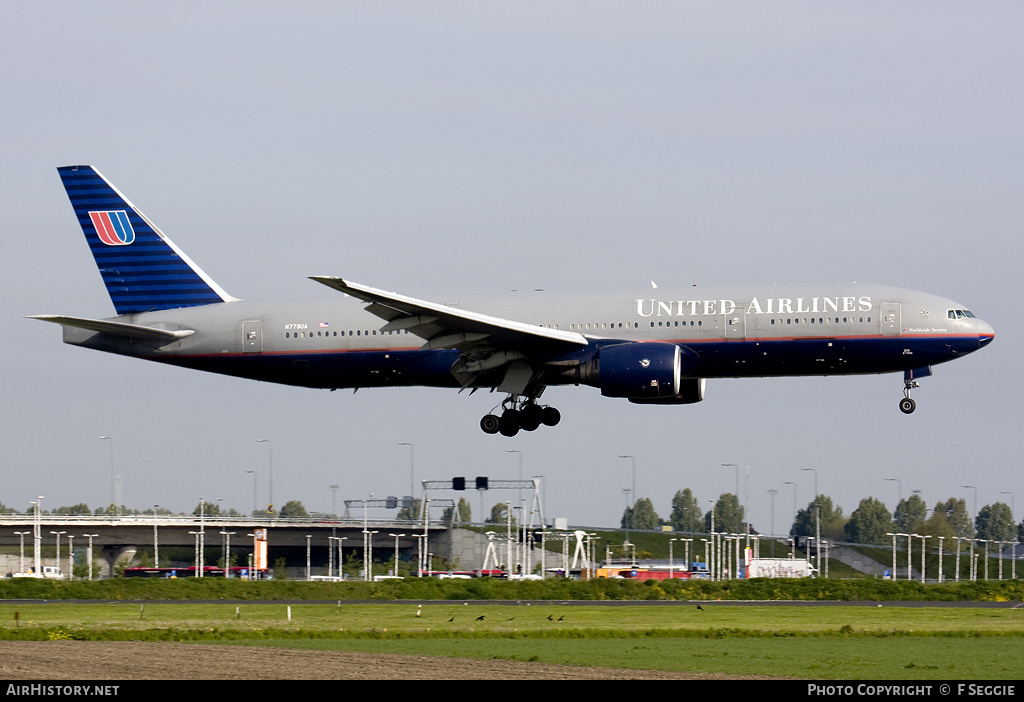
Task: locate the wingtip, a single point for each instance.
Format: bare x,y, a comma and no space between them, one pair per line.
331,281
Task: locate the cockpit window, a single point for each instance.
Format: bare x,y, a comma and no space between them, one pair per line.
960,314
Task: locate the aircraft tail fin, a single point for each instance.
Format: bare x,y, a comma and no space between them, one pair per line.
142,269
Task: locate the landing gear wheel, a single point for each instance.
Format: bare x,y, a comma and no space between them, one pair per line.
510,422
530,417
907,405
549,416
490,423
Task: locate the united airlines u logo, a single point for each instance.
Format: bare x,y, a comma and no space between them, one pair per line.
113,227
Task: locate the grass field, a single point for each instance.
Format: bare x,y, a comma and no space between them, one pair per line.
831,658
830,642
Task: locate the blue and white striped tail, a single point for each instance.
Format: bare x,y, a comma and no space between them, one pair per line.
142,269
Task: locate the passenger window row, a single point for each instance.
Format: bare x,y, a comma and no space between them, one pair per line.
350,332
587,326
822,320
595,326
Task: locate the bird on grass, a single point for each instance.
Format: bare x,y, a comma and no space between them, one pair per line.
480,618
700,608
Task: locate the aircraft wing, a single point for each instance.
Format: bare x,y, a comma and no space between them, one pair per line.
487,343
446,327
131,331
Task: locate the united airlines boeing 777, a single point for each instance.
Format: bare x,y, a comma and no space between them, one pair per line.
656,346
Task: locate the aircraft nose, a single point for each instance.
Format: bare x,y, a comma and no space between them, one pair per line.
985,333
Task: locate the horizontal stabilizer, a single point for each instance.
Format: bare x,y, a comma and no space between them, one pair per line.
131,331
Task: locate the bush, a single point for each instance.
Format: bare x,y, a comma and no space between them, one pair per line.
493,589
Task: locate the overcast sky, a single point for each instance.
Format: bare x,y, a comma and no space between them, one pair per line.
433,147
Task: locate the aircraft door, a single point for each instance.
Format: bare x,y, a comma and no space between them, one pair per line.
736,325
252,336
891,321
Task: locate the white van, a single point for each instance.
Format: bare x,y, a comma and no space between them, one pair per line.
49,572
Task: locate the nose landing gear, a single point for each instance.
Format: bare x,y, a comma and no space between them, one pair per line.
909,383
526,415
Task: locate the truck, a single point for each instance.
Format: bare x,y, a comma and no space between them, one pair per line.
48,572
780,568
637,572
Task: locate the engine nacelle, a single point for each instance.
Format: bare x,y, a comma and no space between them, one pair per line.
639,370
690,390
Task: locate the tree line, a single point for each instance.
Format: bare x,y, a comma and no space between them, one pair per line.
870,523
293,509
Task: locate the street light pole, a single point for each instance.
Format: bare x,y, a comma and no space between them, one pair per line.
1013,544
202,537
521,525
88,552
815,470
366,539
712,560
37,537
738,501
789,482
397,536
270,475
113,477
629,519
57,534
924,551
227,551
632,512
253,491
633,462
21,562
341,556
508,539
817,518
412,468
974,523
156,539
899,488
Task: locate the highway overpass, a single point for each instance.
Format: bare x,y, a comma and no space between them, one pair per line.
115,537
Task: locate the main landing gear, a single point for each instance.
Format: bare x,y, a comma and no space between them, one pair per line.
526,415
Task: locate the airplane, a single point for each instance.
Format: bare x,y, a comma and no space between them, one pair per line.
654,346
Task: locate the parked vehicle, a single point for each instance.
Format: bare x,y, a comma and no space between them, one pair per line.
48,572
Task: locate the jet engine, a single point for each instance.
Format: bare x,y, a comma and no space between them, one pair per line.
690,390
645,372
